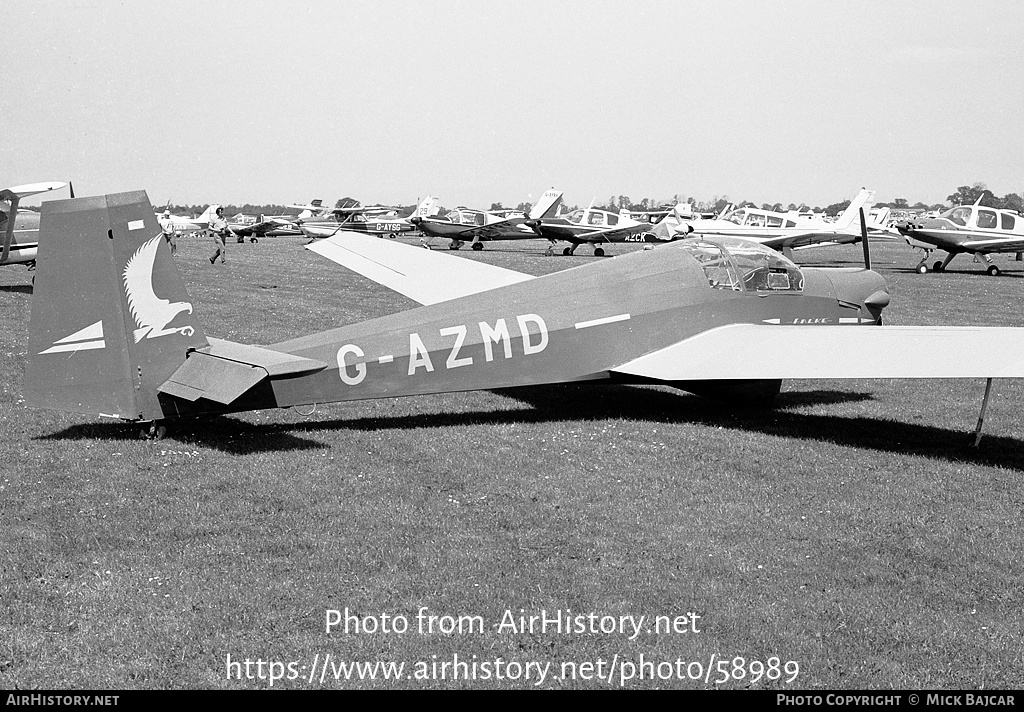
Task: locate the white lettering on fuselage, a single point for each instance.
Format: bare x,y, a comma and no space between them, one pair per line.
532,329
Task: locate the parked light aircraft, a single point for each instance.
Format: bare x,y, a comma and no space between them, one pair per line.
20,228
366,219
972,229
592,226
786,231
114,332
255,227
476,227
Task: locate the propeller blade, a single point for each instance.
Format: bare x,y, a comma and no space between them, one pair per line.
864,239
71,187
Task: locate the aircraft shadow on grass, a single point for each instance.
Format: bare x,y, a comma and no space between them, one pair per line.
16,288
569,403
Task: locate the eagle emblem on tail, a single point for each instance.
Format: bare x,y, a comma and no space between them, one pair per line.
152,314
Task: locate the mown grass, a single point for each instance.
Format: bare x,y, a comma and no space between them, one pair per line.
848,529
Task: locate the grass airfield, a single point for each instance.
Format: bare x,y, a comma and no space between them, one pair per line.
847,531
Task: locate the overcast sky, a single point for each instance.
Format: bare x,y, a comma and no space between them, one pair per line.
478,101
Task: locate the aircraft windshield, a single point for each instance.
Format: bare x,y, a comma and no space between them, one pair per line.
960,215
575,216
729,263
736,216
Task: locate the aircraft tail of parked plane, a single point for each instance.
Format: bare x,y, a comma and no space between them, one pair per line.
93,293
849,219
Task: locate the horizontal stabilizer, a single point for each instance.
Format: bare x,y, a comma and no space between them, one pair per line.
216,379
762,351
424,276
275,363
225,370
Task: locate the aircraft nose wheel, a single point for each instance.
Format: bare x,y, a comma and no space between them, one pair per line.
993,270
922,268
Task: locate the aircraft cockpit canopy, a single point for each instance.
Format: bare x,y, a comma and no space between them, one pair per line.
749,218
465,216
743,265
593,218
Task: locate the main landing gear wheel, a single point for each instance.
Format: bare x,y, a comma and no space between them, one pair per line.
993,270
477,246
392,235
598,252
922,268
154,431
567,251
937,267
254,239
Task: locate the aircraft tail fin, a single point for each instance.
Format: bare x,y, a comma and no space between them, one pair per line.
547,206
428,207
850,218
209,214
111,319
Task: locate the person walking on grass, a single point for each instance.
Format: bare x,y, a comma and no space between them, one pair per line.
219,228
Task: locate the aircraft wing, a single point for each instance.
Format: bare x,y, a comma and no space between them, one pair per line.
501,230
424,276
612,234
23,191
1014,243
766,351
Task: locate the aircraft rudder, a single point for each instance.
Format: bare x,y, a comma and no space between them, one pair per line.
107,324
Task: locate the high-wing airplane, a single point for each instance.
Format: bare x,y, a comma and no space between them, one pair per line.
592,226
368,220
254,227
972,229
786,231
20,228
476,227
113,331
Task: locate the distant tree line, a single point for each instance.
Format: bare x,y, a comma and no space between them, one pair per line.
964,195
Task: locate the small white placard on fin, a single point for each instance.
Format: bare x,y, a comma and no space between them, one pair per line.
136,224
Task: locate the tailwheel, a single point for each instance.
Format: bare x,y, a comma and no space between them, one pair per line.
477,246
598,252
993,270
922,268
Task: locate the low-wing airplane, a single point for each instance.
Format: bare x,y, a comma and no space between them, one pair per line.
254,227
972,229
593,226
113,331
180,223
365,219
476,227
788,231
20,228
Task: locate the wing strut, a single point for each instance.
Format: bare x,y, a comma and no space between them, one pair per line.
976,440
9,233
